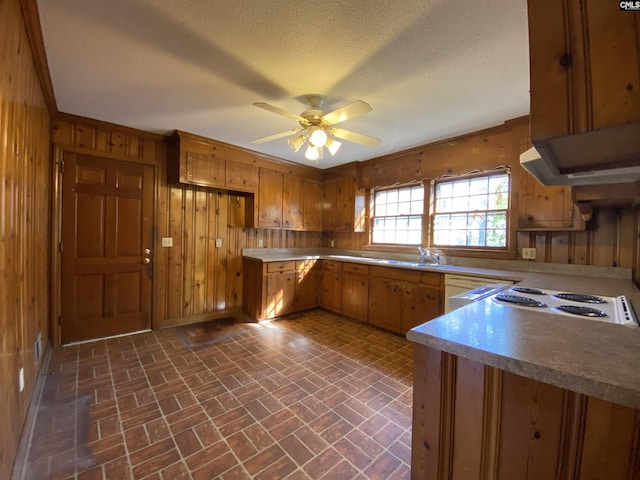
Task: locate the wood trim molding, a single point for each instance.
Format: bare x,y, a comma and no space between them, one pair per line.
31,17
71,118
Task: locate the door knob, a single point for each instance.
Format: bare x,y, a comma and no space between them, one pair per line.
146,260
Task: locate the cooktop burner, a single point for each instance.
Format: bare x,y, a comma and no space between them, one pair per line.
593,307
521,301
527,290
582,311
579,297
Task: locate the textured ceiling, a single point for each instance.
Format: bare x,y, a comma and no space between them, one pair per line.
431,69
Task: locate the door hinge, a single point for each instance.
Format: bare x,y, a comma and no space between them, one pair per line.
61,166
60,320
60,247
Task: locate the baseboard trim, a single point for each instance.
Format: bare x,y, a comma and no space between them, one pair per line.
20,462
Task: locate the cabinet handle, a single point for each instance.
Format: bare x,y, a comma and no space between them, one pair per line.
565,60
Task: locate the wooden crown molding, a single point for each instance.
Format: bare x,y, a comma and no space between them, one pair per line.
31,17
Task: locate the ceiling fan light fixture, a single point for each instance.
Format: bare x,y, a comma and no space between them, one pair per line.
312,153
318,137
296,142
333,146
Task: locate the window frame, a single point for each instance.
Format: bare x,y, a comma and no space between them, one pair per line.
473,250
424,217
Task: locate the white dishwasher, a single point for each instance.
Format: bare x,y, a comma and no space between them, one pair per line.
459,285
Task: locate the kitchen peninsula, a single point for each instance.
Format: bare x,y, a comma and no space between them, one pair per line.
502,392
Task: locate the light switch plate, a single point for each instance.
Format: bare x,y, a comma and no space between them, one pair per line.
167,242
528,253
218,242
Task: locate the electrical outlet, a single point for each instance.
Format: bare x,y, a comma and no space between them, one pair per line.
333,243
218,242
167,242
260,243
528,253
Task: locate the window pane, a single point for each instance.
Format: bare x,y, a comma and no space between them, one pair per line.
398,215
480,205
478,186
461,188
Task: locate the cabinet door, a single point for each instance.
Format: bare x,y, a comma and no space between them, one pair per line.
292,203
385,304
242,177
331,290
270,198
312,204
307,285
280,291
421,304
339,207
204,169
547,208
355,296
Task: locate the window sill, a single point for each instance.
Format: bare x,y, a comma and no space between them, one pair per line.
382,247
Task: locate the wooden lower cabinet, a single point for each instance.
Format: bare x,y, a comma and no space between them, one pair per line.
385,303
275,289
476,421
331,285
307,282
389,298
355,291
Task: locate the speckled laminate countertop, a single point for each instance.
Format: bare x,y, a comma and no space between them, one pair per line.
586,356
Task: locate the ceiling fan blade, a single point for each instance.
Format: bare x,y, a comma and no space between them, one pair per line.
275,136
279,111
348,111
356,137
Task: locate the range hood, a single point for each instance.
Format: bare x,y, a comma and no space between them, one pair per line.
598,157
548,174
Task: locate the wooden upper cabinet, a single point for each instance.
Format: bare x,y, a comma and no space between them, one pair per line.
585,79
241,177
339,207
193,160
292,202
312,202
270,198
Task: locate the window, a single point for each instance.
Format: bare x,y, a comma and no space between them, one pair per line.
397,215
471,211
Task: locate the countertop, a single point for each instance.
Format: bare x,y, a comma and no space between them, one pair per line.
585,356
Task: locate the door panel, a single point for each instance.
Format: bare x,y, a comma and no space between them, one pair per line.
107,217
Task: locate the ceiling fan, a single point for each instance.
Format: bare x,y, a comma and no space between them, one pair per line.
317,127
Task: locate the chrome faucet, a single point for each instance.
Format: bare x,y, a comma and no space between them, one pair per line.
427,257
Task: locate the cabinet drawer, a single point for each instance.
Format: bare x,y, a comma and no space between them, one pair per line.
332,266
408,275
273,267
355,268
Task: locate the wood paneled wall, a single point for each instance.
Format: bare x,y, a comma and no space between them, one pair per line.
25,192
193,280
611,239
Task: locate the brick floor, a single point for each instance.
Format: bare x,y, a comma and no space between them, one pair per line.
310,396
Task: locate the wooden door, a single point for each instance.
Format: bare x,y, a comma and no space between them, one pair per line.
107,220
331,286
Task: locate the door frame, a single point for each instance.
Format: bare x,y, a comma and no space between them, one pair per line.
57,153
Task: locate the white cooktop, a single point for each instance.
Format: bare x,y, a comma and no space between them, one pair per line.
597,307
